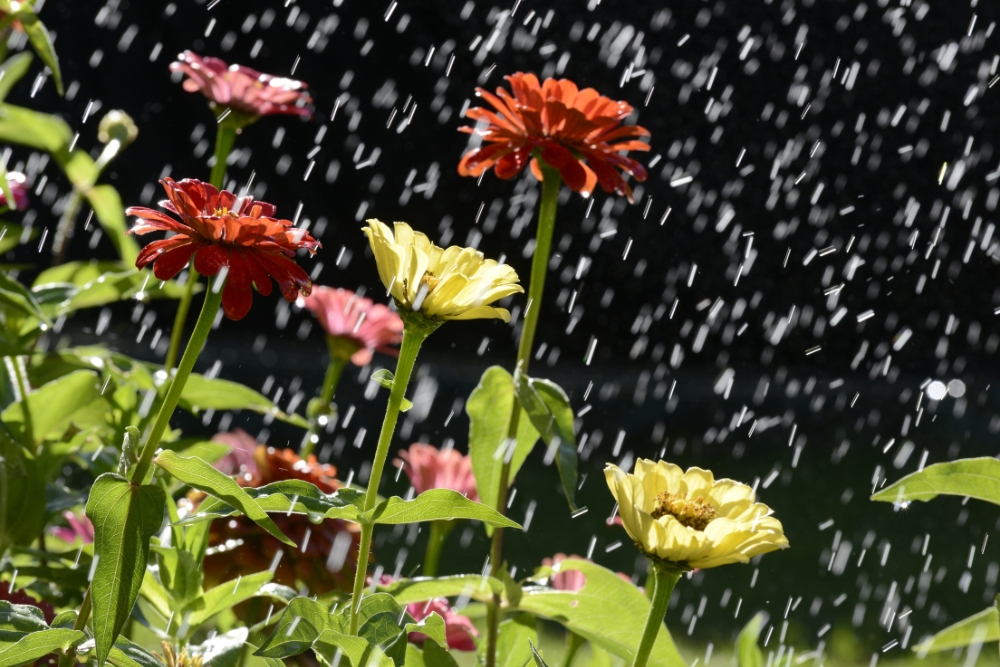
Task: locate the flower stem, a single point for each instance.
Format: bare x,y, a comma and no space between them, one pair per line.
213,299
539,269
68,658
330,382
439,533
665,579
225,139
415,331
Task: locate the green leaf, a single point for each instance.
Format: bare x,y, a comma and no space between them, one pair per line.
202,476
434,656
976,478
489,408
131,447
18,297
179,573
125,517
298,627
201,393
385,378
11,234
154,593
539,662
127,654
41,42
110,213
51,134
548,408
21,618
290,497
52,407
38,644
472,586
748,653
432,626
514,641
599,657
11,71
978,628
357,650
222,650
607,611
224,596
122,285
22,496
436,505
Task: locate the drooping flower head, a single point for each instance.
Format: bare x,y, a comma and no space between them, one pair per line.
327,556
459,630
80,528
431,468
443,284
690,519
245,91
240,459
359,325
577,132
19,188
224,231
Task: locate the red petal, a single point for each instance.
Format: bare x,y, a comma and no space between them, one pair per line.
261,280
210,259
170,263
237,296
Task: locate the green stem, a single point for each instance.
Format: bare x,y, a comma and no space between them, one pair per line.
213,299
415,331
69,657
177,332
665,579
225,139
23,388
536,288
573,644
330,382
439,534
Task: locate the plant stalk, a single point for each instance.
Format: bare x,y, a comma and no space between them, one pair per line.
536,288
68,658
415,331
330,382
665,578
439,534
209,309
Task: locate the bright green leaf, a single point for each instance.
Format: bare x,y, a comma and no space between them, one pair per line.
472,586
607,611
202,476
385,378
16,296
201,393
978,628
436,505
434,655
21,618
38,644
52,407
125,517
548,408
344,504
976,478
432,626
514,641
539,661
222,650
127,654
748,653
11,71
299,625
179,573
22,495
110,213
224,596
357,650
41,42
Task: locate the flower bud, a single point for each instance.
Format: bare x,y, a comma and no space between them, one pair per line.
117,125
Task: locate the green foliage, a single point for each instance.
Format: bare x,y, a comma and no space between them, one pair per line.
978,628
536,656
548,408
748,653
202,393
125,517
51,408
231,593
385,378
435,505
489,408
12,70
516,635
222,650
22,494
38,35
420,589
976,478
290,497
31,647
607,611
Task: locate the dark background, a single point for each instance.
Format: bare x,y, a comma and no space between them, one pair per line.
848,163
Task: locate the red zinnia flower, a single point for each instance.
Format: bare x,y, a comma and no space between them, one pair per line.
430,468
246,91
573,130
223,230
359,322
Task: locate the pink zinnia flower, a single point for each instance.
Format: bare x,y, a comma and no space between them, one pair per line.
246,91
459,630
79,528
19,188
430,468
570,580
355,320
240,459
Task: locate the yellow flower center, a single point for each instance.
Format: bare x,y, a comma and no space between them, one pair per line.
430,280
692,512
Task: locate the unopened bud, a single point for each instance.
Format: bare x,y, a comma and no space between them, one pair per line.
117,125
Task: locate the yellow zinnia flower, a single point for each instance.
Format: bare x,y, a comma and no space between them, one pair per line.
689,518
442,284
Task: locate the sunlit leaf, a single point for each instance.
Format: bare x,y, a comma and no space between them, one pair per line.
11,71
514,641
548,408
179,573
110,213
51,407
222,650
436,505
36,645
976,478
472,586
202,393
537,657
748,653
358,650
224,596
299,625
202,476
125,517
22,618
290,496
41,41
978,628
432,626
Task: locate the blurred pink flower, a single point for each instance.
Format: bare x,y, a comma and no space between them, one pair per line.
242,89
356,320
431,468
79,528
570,580
19,188
459,630
240,459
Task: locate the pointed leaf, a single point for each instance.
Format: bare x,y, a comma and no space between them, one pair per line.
224,596
202,393
978,628
41,42
222,650
436,505
748,653
472,586
433,627
52,407
11,71
548,408
290,496
202,476
110,213
125,517
21,618
977,478
539,662
299,625
357,650
38,644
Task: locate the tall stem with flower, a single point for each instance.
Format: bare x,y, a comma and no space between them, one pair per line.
567,136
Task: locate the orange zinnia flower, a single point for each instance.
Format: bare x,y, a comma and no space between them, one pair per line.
223,230
573,130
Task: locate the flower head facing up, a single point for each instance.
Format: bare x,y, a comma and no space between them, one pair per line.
690,519
441,283
18,184
245,91
357,322
431,468
459,630
578,132
224,232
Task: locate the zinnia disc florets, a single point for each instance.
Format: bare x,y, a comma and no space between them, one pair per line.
694,513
